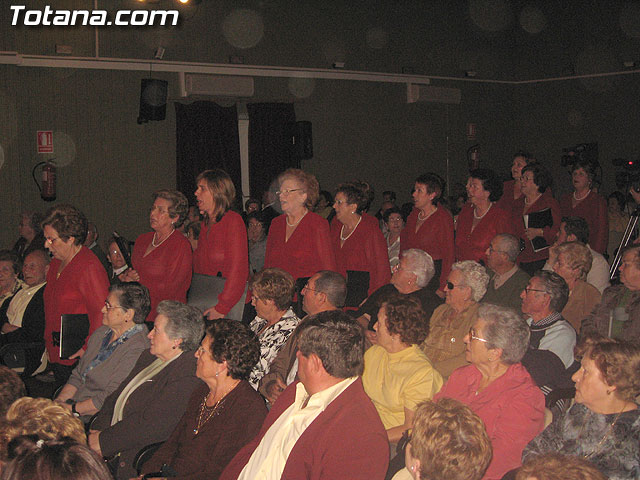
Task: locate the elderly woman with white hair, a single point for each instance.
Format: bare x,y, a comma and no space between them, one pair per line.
410,277
497,387
465,287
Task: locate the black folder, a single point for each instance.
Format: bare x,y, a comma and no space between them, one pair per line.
540,219
74,330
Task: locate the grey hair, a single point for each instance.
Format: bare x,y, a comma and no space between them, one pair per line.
556,287
420,264
183,321
509,245
505,329
333,285
475,277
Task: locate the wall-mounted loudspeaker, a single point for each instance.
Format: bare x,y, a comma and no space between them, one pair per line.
153,100
302,140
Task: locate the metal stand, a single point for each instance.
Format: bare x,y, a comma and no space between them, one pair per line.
626,239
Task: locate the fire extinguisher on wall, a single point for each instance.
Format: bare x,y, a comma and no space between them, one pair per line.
48,187
473,156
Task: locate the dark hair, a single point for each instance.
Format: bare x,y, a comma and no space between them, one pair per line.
183,322
406,318
333,285
391,194
195,228
490,182
336,339
250,201
389,211
358,193
259,217
622,201
68,222
223,190
521,153
556,287
577,226
52,460
127,245
434,183
13,258
35,218
274,284
587,165
541,176
133,296
327,196
11,388
234,342
179,204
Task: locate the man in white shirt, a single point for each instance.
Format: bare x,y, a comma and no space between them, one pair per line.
325,426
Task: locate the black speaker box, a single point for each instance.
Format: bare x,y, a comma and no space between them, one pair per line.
302,140
153,100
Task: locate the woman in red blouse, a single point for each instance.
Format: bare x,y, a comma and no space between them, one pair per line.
536,197
481,219
511,191
76,282
586,203
222,245
358,242
430,228
299,241
162,258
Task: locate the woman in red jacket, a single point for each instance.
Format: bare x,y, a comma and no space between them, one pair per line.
481,219
358,243
299,241
222,244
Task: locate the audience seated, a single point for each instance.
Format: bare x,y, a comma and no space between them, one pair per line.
394,223
272,294
618,221
397,374
497,387
192,232
257,236
91,242
31,236
23,320
603,425
325,291
10,267
555,466
576,229
11,389
116,260
325,426
618,313
147,405
506,279
448,442
60,459
224,413
450,322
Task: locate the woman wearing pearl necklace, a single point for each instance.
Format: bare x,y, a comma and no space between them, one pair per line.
358,243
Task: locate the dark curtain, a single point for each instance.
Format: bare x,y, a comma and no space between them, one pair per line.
270,152
206,137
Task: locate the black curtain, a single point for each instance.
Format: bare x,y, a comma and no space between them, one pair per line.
206,137
270,152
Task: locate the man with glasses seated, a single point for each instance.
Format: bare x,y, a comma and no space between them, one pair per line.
506,279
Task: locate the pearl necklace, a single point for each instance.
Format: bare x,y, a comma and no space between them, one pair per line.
153,240
295,224
580,199
431,213
344,239
483,215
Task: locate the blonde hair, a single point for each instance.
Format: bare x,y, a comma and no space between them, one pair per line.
555,465
308,182
42,417
578,257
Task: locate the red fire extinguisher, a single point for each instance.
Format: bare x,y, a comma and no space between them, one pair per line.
48,188
473,156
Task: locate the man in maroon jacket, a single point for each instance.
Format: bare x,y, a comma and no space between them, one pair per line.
325,426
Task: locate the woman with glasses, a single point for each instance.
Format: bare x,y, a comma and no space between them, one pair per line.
76,282
162,258
299,240
497,387
112,350
465,287
222,244
358,243
394,222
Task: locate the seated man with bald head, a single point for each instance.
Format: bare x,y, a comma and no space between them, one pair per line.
23,319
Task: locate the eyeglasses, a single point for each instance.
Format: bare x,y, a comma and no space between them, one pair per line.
287,192
110,307
472,336
529,289
51,240
451,286
307,287
201,350
491,249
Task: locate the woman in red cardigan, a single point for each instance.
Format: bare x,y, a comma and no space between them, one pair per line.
358,243
299,241
162,258
586,203
430,228
222,244
481,219
536,197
